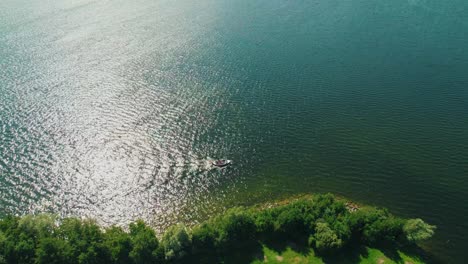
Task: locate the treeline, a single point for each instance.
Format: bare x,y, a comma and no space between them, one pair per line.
323,222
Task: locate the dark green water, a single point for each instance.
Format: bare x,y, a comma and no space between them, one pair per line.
113,109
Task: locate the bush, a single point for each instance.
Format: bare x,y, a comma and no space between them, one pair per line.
417,230
176,242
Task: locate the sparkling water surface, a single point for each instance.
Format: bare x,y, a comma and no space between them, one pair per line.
114,109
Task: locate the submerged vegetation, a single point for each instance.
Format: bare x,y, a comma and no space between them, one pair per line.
322,224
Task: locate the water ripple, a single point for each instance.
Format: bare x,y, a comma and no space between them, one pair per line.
114,109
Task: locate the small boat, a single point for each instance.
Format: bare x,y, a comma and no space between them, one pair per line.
221,163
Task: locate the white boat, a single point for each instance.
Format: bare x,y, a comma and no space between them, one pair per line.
221,163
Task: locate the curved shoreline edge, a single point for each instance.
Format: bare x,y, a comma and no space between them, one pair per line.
310,228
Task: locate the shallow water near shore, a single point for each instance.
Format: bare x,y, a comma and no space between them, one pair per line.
114,109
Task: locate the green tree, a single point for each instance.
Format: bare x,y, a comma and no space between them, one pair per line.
290,222
324,238
359,220
21,236
203,239
383,231
144,243
176,242
8,228
342,229
265,221
53,250
417,230
2,246
322,206
235,228
37,226
23,250
86,240
118,244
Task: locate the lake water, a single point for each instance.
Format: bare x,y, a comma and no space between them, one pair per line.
114,109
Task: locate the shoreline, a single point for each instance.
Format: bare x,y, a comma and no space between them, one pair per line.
312,227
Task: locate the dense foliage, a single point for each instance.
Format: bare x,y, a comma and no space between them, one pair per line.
323,221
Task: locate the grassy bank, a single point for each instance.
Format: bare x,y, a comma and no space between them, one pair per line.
307,229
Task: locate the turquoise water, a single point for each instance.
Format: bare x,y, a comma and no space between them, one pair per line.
114,109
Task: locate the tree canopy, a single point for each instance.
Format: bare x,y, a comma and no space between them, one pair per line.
417,230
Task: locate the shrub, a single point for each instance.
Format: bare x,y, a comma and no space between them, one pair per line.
417,230
176,242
